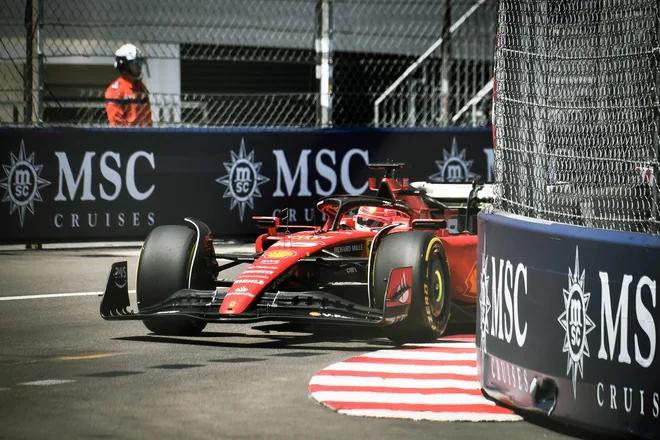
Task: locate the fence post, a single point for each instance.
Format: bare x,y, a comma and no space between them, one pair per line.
446,78
27,69
32,69
38,42
323,45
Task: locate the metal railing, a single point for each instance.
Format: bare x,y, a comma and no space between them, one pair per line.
418,62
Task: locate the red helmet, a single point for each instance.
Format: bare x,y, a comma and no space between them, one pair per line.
372,217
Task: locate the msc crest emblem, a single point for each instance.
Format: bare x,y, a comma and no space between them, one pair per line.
455,167
242,180
22,183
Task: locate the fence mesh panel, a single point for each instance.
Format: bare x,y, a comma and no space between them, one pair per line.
251,62
576,112
447,59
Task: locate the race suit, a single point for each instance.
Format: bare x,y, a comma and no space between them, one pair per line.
127,104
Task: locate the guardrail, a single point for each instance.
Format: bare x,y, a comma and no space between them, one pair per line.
567,322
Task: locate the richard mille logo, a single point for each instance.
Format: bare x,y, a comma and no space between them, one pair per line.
242,180
576,322
455,167
22,183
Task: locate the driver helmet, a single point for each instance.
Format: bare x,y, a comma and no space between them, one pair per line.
129,58
373,217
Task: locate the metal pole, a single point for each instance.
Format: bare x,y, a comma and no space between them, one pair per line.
323,47
27,70
446,78
412,104
38,41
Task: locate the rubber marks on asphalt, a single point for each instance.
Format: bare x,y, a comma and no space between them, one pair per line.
435,381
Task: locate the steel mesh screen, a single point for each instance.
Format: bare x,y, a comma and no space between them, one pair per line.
253,62
445,59
576,110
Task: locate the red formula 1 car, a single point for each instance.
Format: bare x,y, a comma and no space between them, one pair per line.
403,259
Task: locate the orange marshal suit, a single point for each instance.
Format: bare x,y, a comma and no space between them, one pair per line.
127,104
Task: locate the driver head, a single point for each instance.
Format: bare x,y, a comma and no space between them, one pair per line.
369,218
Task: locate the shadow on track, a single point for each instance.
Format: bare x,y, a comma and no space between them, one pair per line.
564,428
271,339
277,336
283,335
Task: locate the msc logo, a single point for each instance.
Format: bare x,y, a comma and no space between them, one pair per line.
280,254
575,322
22,183
242,180
455,167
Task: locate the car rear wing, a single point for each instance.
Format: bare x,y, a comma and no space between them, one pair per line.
453,193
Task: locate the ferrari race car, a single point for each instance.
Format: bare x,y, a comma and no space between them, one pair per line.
403,259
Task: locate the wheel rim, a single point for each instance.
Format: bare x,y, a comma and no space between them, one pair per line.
436,289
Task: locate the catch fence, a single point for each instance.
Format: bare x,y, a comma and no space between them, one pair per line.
253,63
576,112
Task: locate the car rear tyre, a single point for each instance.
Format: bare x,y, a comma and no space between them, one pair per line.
164,268
429,311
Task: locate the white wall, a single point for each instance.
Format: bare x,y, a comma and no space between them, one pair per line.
163,79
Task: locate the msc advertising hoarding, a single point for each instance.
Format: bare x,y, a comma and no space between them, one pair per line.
568,321
76,184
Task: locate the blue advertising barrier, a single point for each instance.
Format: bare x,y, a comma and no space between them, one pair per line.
90,184
568,322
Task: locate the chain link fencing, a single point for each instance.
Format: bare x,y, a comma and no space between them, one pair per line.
576,112
445,80
252,63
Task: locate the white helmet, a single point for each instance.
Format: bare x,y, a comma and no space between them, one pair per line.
127,53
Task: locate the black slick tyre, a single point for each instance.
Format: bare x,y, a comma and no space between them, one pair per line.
429,311
164,268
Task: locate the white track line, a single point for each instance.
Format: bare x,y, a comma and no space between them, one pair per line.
427,415
52,295
47,382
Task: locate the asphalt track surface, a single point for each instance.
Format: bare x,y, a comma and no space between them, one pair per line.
66,373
